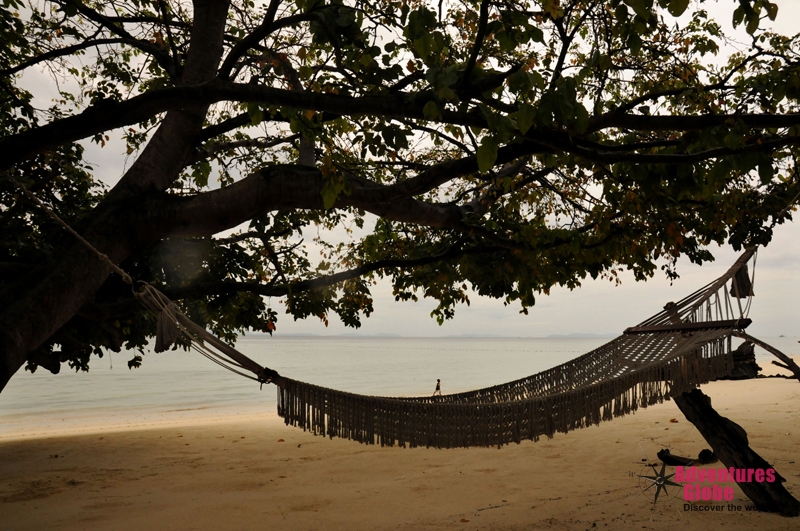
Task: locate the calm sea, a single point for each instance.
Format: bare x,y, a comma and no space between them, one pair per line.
176,386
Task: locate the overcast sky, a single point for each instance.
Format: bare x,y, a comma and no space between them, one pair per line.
598,307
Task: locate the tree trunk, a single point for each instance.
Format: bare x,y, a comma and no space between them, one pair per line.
730,444
43,302
788,363
39,304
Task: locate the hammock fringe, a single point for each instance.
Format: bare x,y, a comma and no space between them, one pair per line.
686,345
562,399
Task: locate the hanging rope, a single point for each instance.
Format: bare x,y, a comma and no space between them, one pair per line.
171,323
104,258
752,287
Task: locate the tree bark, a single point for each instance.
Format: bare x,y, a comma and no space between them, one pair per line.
730,444
788,363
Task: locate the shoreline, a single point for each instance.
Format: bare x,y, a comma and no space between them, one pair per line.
47,425
253,471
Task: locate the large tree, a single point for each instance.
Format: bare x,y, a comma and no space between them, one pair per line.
501,147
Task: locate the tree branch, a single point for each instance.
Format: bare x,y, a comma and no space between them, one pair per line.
260,143
108,115
249,41
675,158
217,288
162,58
222,127
668,92
688,123
483,19
61,52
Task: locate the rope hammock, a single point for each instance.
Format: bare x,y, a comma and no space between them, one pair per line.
687,344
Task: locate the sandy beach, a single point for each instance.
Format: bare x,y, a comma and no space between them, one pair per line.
255,473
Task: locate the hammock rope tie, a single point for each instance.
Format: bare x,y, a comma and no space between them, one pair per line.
171,324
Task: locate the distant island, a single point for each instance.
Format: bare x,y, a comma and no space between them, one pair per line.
576,335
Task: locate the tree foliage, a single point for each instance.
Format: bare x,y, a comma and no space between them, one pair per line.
499,147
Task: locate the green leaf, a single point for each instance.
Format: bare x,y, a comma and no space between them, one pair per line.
419,23
431,111
581,118
201,172
520,82
738,16
255,113
634,43
732,141
772,10
506,41
525,117
487,154
447,94
677,7
332,188
538,80
423,46
752,23
306,72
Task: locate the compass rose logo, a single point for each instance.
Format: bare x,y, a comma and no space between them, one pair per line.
658,483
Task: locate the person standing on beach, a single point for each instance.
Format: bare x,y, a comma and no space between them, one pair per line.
438,388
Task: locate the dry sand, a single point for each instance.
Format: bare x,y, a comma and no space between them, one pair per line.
255,473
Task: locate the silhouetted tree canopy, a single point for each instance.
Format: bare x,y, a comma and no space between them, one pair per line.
499,147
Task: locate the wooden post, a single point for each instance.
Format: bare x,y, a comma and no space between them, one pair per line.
730,444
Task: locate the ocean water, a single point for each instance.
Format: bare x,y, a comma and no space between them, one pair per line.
175,386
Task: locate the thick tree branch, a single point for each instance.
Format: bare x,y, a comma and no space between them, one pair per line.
651,96
223,127
109,115
270,189
249,41
483,19
729,442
